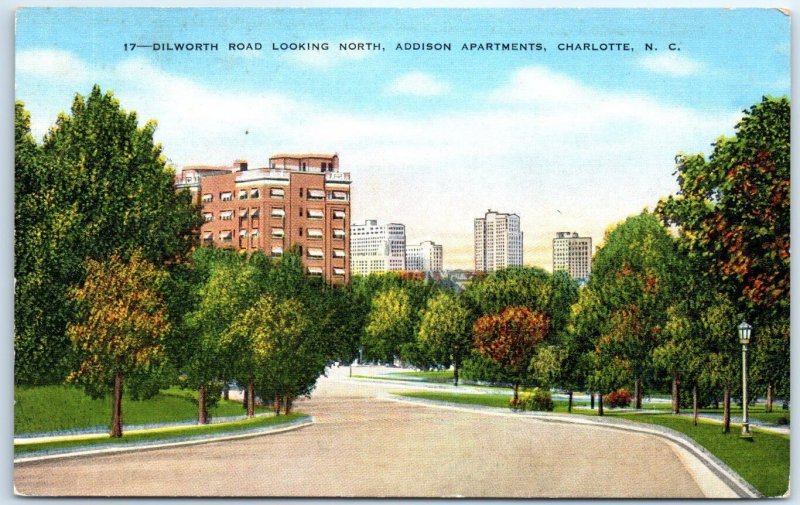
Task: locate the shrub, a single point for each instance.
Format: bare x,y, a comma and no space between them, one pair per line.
619,398
536,399
783,420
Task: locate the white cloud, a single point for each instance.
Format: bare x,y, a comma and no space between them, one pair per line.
541,142
671,64
417,84
52,64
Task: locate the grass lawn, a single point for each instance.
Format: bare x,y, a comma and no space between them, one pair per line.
487,400
764,462
166,433
434,376
55,408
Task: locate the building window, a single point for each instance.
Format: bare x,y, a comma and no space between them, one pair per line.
277,233
277,251
338,253
225,236
276,193
208,197
315,233
277,213
208,238
255,193
255,212
315,254
300,232
242,194
316,194
243,213
315,214
226,215
315,270
226,196
338,214
208,216
339,272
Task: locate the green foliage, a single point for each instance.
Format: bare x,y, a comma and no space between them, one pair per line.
122,322
390,325
537,400
98,186
446,329
733,209
634,281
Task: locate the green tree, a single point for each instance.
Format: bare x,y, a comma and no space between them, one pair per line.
770,348
230,289
287,358
103,188
723,367
389,325
122,327
634,276
734,209
446,327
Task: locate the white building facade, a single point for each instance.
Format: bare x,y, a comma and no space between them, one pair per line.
424,257
572,254
376,247
498,242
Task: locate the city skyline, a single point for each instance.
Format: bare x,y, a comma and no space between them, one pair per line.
566,139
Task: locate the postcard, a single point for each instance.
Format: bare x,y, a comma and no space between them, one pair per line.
402,253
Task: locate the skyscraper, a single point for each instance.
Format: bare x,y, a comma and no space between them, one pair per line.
498,242
300,200
424,257
572,254
377,247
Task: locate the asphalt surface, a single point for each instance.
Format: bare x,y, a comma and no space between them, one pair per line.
364,445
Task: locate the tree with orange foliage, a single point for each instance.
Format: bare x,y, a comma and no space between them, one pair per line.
510,339
123,326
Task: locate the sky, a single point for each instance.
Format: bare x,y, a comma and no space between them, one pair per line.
568,140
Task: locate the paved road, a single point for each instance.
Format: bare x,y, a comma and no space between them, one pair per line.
362,445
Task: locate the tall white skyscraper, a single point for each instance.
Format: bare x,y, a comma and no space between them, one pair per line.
572,254
424,257
377,247
498,242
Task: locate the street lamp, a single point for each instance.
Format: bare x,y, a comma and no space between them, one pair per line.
744,339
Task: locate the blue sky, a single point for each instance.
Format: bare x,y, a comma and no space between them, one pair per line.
571,141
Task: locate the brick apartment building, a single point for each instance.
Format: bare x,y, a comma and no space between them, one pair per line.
299,200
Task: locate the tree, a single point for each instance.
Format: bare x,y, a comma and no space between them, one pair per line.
769,351
98,186
389,325
446,327
122,327
723,368
510,339
230,289
285,351
734,209
634,276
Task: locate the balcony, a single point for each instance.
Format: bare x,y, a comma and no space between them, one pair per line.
262,174
337,177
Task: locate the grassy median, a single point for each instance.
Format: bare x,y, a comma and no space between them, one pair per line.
763,462
163,434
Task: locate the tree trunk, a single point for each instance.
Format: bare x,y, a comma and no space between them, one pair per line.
245,401
676,394
287,405
516,396
726,409
768,406
455,371
251,398
226,393
569,404
600,404
638,392
116,418
591,396
202,413
694,405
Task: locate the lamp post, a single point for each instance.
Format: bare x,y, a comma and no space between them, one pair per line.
744,339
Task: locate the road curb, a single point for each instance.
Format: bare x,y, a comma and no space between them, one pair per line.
728,476
175,442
